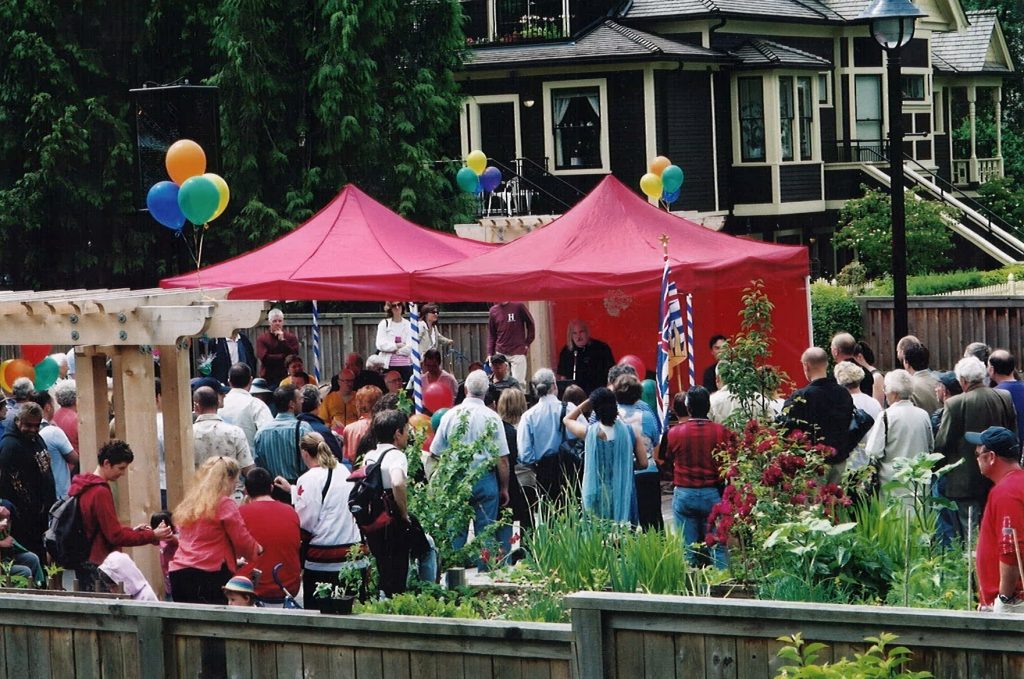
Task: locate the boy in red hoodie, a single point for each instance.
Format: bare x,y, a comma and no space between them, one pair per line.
99,516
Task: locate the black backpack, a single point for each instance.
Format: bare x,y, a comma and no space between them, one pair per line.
65,537
369,503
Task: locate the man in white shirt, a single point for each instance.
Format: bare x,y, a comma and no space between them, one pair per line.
213,437
491,491
241,408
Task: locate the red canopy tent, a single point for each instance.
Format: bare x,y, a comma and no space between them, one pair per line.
602,262
353,249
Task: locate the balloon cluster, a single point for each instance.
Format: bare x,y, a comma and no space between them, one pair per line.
478,176
35,363
193,193
663,181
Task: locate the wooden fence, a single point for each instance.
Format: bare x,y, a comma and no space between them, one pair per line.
612,636
946,324
623,636
45,637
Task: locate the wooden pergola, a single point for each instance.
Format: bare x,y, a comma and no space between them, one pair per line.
128,327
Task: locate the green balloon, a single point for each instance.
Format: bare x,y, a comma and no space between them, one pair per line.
198,199
467,180
47,372
672,178
649,394
435,419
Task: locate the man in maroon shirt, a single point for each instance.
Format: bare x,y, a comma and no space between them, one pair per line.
273,346
99,517
696,476
275,525
510,331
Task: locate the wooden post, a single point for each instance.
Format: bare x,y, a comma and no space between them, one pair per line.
179,458
138,493
541,350
93,407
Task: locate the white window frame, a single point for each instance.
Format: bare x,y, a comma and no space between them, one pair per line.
492,19
773,120
547,89
471,121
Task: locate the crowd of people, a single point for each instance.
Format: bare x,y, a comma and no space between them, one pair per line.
274,452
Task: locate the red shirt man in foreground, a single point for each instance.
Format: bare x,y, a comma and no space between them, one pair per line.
99,517
998,456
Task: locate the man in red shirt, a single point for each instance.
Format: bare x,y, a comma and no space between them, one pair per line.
510,331
696,477
998,456
99,517
275,525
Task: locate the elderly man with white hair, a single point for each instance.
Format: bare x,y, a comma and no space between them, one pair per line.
485,425
977,409
273,346
902,429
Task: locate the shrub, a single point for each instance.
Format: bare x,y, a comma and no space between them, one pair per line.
833,310
880,661
866,226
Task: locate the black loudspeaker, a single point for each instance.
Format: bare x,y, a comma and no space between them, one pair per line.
163,115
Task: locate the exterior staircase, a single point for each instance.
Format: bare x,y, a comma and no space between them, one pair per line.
977,225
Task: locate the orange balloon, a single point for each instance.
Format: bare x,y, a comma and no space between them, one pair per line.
421,421
659,164
185,159
3,368
19,367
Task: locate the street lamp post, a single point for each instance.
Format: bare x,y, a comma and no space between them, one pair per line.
892,27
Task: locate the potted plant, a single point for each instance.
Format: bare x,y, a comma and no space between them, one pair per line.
341,597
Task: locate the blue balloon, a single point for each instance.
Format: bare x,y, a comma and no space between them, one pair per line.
670,197
490,179
162,201
479,187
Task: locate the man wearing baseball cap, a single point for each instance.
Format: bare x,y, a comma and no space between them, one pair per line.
998,555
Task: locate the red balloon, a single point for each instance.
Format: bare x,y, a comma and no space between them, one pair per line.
33,353
437,396
19,367
637,365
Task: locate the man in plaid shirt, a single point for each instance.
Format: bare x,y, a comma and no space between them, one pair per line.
696,477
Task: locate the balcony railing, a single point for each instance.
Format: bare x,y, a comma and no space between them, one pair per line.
988,169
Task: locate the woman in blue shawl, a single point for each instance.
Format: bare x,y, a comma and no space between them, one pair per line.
612,449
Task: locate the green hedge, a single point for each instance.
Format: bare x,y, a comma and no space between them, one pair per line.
934,284
833,310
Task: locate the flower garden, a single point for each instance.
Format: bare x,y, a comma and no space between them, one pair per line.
790,535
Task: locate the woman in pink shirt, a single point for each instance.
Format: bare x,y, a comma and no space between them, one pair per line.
212,535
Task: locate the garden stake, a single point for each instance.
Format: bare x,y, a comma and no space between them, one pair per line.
970,563
906,560
1016,547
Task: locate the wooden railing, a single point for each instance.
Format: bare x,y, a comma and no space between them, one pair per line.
988,169
69,638
612,636
633,636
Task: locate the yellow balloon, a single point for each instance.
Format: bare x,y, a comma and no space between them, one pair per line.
3,382
477,162
650,184
222,189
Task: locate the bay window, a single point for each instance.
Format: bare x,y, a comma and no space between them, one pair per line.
751,110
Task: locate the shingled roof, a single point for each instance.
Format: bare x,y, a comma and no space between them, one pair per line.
967,51
760,53
785,10
609,41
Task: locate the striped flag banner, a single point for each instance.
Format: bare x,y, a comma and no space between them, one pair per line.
689,339
417,376
671,347
316,342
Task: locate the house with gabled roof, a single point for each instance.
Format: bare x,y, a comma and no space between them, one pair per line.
774,109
